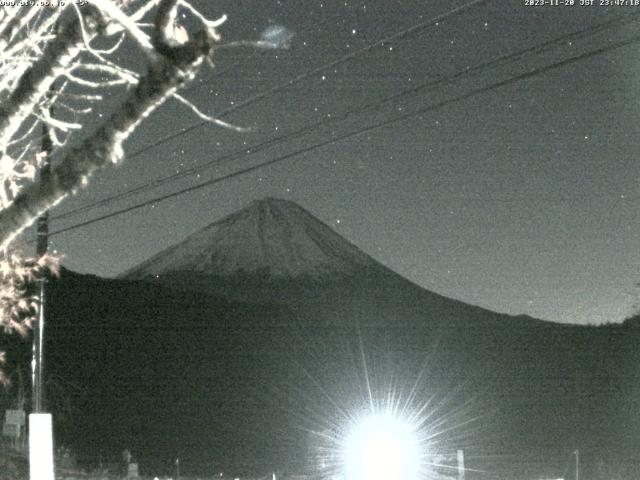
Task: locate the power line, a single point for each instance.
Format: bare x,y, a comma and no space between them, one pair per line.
468,72
402,34
350,56
532,73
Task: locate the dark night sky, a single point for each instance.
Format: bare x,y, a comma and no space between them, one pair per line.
521,199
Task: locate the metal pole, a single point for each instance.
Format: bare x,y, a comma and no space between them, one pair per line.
41,464
577,454
460,454
37,361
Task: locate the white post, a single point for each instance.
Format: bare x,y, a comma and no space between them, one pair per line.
40,447
460,465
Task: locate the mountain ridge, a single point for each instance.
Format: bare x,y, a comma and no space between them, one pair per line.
250,255
272,236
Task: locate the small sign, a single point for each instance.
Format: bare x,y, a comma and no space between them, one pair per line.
132,470
14,417
12,431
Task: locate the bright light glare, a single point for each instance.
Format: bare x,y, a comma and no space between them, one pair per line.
382,447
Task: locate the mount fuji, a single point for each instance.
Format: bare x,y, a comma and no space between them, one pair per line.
275,252
271,238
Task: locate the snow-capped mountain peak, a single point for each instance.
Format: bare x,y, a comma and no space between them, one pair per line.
271,237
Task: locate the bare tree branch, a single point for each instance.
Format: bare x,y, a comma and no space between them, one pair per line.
36,81
177,66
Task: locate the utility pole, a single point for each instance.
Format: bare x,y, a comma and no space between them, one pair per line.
40,423
577,454
42,244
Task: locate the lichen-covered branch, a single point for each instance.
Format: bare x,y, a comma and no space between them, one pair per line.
175,66
36,81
